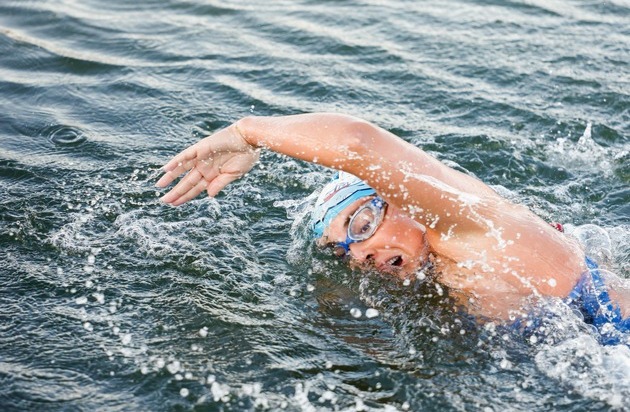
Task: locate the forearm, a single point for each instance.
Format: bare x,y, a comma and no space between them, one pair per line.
331,140
339,142
388,163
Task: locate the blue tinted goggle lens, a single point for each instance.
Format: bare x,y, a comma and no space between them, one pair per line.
363,224
366,220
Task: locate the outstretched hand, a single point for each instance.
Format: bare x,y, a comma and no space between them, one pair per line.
212,163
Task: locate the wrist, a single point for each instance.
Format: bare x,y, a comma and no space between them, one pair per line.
240,129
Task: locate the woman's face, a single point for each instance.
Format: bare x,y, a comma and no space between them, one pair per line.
398,245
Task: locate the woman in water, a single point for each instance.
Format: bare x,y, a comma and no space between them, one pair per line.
395,208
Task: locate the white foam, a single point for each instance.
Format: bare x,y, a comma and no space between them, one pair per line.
590,369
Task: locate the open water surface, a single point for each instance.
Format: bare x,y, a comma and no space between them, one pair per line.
110,300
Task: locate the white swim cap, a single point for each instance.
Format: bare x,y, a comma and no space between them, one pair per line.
338,194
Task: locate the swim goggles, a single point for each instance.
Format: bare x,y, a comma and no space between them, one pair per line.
362,225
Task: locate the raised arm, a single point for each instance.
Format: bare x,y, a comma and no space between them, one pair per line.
466,221
400,172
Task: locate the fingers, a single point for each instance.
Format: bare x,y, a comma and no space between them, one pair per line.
220,182
191,194
187,184
166,179
177,166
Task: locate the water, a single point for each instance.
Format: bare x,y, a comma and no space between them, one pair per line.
113,301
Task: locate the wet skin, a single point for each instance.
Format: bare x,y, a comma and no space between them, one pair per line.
398,245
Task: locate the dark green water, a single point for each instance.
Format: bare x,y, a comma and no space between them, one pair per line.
110,300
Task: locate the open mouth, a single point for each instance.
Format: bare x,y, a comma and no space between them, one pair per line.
396,261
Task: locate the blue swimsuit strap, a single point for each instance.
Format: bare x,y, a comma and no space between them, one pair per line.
595,297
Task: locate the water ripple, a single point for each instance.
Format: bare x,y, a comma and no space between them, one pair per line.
64,135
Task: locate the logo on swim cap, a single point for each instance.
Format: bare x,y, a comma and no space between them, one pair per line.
338,194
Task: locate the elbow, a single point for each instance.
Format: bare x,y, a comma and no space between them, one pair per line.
359,136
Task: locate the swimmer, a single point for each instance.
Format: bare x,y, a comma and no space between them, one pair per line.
393,207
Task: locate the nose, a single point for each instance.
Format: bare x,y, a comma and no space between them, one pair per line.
361,253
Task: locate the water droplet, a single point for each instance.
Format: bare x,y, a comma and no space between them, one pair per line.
100,298
81,301
126,339
184,392
173,367
203,332
355,312
371,313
